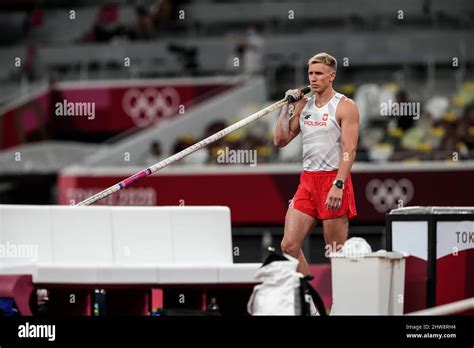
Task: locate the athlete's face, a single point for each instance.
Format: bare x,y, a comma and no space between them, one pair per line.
320,77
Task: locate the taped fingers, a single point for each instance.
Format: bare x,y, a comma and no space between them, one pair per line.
294,94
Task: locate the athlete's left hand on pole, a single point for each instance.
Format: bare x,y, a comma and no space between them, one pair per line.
334,198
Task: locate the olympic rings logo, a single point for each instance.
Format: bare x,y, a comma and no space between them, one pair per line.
386,195
146,107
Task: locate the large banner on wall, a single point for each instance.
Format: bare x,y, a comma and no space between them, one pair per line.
101,107
258,197
121,107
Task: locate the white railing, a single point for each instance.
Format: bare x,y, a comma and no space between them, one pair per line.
447,309
276,168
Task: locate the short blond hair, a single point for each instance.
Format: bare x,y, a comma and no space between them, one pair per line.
325,59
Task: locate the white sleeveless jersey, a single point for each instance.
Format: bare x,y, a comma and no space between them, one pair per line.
321,133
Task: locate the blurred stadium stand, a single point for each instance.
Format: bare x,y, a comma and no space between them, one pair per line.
426,57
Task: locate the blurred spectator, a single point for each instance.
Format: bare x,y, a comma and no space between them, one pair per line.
404,122
215,127
381,152
187,56
253,54
393,137
30,67
155,155
198,157
105,26
451,140
183,142
34,18
348,90
367,100
163,13
231,141
465,128
143,25
260,139
362,153
444,130
415,139
436,107
234,64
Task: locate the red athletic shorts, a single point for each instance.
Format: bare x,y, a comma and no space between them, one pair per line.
310,198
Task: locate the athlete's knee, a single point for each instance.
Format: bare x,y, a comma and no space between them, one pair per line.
289,247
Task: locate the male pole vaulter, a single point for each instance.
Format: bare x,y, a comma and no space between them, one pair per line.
329,123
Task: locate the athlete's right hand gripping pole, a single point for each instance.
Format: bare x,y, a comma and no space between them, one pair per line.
176,157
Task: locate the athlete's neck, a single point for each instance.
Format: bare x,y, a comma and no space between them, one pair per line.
322,98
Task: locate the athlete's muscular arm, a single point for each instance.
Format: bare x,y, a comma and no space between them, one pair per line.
288,126
349,117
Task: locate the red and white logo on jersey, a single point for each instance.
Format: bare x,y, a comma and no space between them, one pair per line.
325,117
315,123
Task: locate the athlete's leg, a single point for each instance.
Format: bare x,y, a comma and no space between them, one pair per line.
335,233
297,227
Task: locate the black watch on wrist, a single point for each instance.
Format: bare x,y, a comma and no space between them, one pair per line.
339,184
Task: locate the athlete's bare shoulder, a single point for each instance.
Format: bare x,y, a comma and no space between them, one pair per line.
347,101
304,100
347,107
301,105
347,111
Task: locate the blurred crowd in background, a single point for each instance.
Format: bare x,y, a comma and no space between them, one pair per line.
443,129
